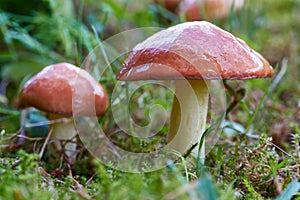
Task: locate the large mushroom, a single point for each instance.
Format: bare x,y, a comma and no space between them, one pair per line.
197,51
209,9
51,91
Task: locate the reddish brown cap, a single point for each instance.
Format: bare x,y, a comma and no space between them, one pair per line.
194,50
52,90
209,9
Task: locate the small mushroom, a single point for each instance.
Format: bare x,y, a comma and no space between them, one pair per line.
197,51
209,9
51,91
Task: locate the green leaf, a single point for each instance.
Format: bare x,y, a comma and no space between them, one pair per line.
17,70
291,189
8,111
207,189
282,163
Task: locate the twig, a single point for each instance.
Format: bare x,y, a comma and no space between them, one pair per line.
45,143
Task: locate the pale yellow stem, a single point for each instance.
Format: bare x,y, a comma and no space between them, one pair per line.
188,116
64,131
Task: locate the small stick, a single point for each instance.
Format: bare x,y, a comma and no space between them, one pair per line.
45,143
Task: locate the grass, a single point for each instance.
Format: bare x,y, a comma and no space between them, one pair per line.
257,157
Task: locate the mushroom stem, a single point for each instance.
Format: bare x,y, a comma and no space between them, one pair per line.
64,130
188,117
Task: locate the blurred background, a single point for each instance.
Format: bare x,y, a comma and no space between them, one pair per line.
37,33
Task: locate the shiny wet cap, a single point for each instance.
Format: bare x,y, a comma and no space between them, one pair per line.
209,9
52,89
194,50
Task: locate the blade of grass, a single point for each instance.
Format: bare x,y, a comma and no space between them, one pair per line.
290,190
256,117
8,111
4,22
212,128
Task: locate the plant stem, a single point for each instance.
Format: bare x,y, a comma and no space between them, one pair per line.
64,131
188,116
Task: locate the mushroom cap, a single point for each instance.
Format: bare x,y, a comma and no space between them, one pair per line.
52,90
194,50
209,9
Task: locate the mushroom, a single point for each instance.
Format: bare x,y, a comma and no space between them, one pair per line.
197,51
209,9
51,91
